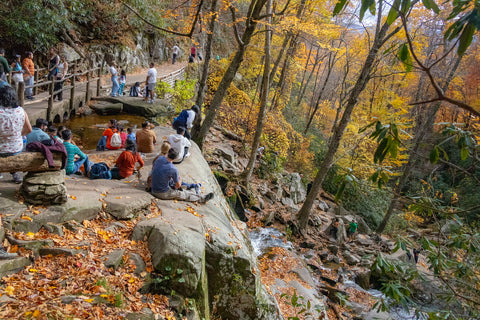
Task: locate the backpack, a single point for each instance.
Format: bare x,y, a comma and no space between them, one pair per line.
116,140
133,92
100,171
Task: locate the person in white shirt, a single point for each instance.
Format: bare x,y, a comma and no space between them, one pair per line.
180,144
114,74
175,52
150,83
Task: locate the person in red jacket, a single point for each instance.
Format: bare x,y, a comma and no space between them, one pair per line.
125,164
112,128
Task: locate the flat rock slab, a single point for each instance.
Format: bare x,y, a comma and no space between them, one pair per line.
58,251
107,108
13,265
136,105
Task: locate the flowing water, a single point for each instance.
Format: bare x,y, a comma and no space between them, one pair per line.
263,239
89,129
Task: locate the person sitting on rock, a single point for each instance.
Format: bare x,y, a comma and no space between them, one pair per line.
146,138
185,119
125,164
334,228
38,133
14,124
180,144
109,132
73,166
163,171
163,152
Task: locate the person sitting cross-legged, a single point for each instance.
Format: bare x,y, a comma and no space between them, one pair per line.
125,164
73,166
163,171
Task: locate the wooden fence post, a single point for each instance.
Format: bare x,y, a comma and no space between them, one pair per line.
35,81
21,94
98,81
72,91
87,93
50,100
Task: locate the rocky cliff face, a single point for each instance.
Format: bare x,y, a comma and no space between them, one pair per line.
210,247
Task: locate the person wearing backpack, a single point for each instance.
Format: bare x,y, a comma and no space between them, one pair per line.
125,164
185,119
135,91
73,166
114,141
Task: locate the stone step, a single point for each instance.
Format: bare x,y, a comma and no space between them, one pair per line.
11,266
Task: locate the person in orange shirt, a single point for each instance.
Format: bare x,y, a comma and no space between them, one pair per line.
125,164
29,72
112,128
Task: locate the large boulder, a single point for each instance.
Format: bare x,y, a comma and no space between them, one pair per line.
206,252
296,189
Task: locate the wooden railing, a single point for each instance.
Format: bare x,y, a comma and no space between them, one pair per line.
73,86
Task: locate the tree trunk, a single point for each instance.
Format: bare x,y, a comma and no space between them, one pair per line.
364,77
251,24
29,162
424,127
202,86
263,98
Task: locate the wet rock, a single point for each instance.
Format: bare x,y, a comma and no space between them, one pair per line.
139,263
362,278
322,205
350,258
107,108
114,258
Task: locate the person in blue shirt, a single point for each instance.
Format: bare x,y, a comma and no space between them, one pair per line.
38,131
163,171
73,166
131,134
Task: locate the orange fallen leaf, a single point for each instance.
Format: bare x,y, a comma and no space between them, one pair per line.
27,218
73,197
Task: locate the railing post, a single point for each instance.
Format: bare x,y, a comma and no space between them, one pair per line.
98,80
35,81
87,93
72,91
50,100
21,94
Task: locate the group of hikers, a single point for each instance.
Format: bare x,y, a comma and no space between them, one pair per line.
23,70
17,135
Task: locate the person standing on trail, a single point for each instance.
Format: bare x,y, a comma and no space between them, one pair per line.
53,64
185,119
17,71
29,74
114,74
62,72
151,82
163,172
193,52
352,229
4,67
175,52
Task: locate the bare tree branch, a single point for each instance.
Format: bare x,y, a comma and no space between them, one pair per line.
188,35
235,29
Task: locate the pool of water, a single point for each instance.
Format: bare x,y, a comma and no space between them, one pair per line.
87,130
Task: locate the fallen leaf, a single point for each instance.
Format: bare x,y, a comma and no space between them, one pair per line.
9,290
27,218
73,197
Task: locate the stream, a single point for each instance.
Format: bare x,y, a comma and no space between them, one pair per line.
89,129
263,239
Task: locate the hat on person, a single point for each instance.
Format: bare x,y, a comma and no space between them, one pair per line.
17,56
